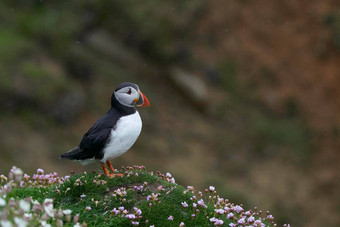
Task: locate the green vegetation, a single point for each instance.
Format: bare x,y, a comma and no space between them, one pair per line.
139,198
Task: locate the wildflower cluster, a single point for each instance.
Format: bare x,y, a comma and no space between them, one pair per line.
131,170
30,212
134,216
17,177
225,212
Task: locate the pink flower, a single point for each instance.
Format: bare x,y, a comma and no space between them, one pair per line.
137,211
88,208
130,216
190,188
270,217
170,218
241,220
213,219
115,211
200,202
211,188
230,215
219,222
219,211
184,204
250,219
238,209
194,205
135,223
232,225
40,171
247,213
257,223
181,224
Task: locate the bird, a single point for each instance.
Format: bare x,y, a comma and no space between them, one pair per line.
114,133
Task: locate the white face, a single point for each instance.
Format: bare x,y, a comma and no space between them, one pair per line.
127,96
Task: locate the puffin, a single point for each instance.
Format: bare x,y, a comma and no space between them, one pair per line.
114,133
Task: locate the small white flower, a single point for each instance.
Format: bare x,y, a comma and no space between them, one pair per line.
48,201
45,224
28,216
49,209
2,202
20,222
5,223
168,175
24,205
18,171
34,202
67,212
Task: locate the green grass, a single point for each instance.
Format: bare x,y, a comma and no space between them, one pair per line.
98,200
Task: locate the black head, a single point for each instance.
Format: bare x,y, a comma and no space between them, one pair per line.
127,94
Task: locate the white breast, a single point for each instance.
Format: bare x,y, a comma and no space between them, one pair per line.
123,136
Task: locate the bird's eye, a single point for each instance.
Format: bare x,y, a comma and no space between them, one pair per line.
129,91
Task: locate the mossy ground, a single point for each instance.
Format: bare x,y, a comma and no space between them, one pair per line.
138,198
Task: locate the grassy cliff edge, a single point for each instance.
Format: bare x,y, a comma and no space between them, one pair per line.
139,198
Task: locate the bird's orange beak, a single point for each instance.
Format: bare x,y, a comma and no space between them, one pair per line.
142,101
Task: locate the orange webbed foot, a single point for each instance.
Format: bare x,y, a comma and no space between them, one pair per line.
113,175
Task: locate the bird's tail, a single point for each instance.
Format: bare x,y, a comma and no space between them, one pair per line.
74,154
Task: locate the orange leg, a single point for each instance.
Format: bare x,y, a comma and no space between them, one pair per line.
108,162
105,170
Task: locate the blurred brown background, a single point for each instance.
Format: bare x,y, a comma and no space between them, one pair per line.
244,94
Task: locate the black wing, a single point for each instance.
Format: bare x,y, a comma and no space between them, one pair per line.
95,139
93,142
